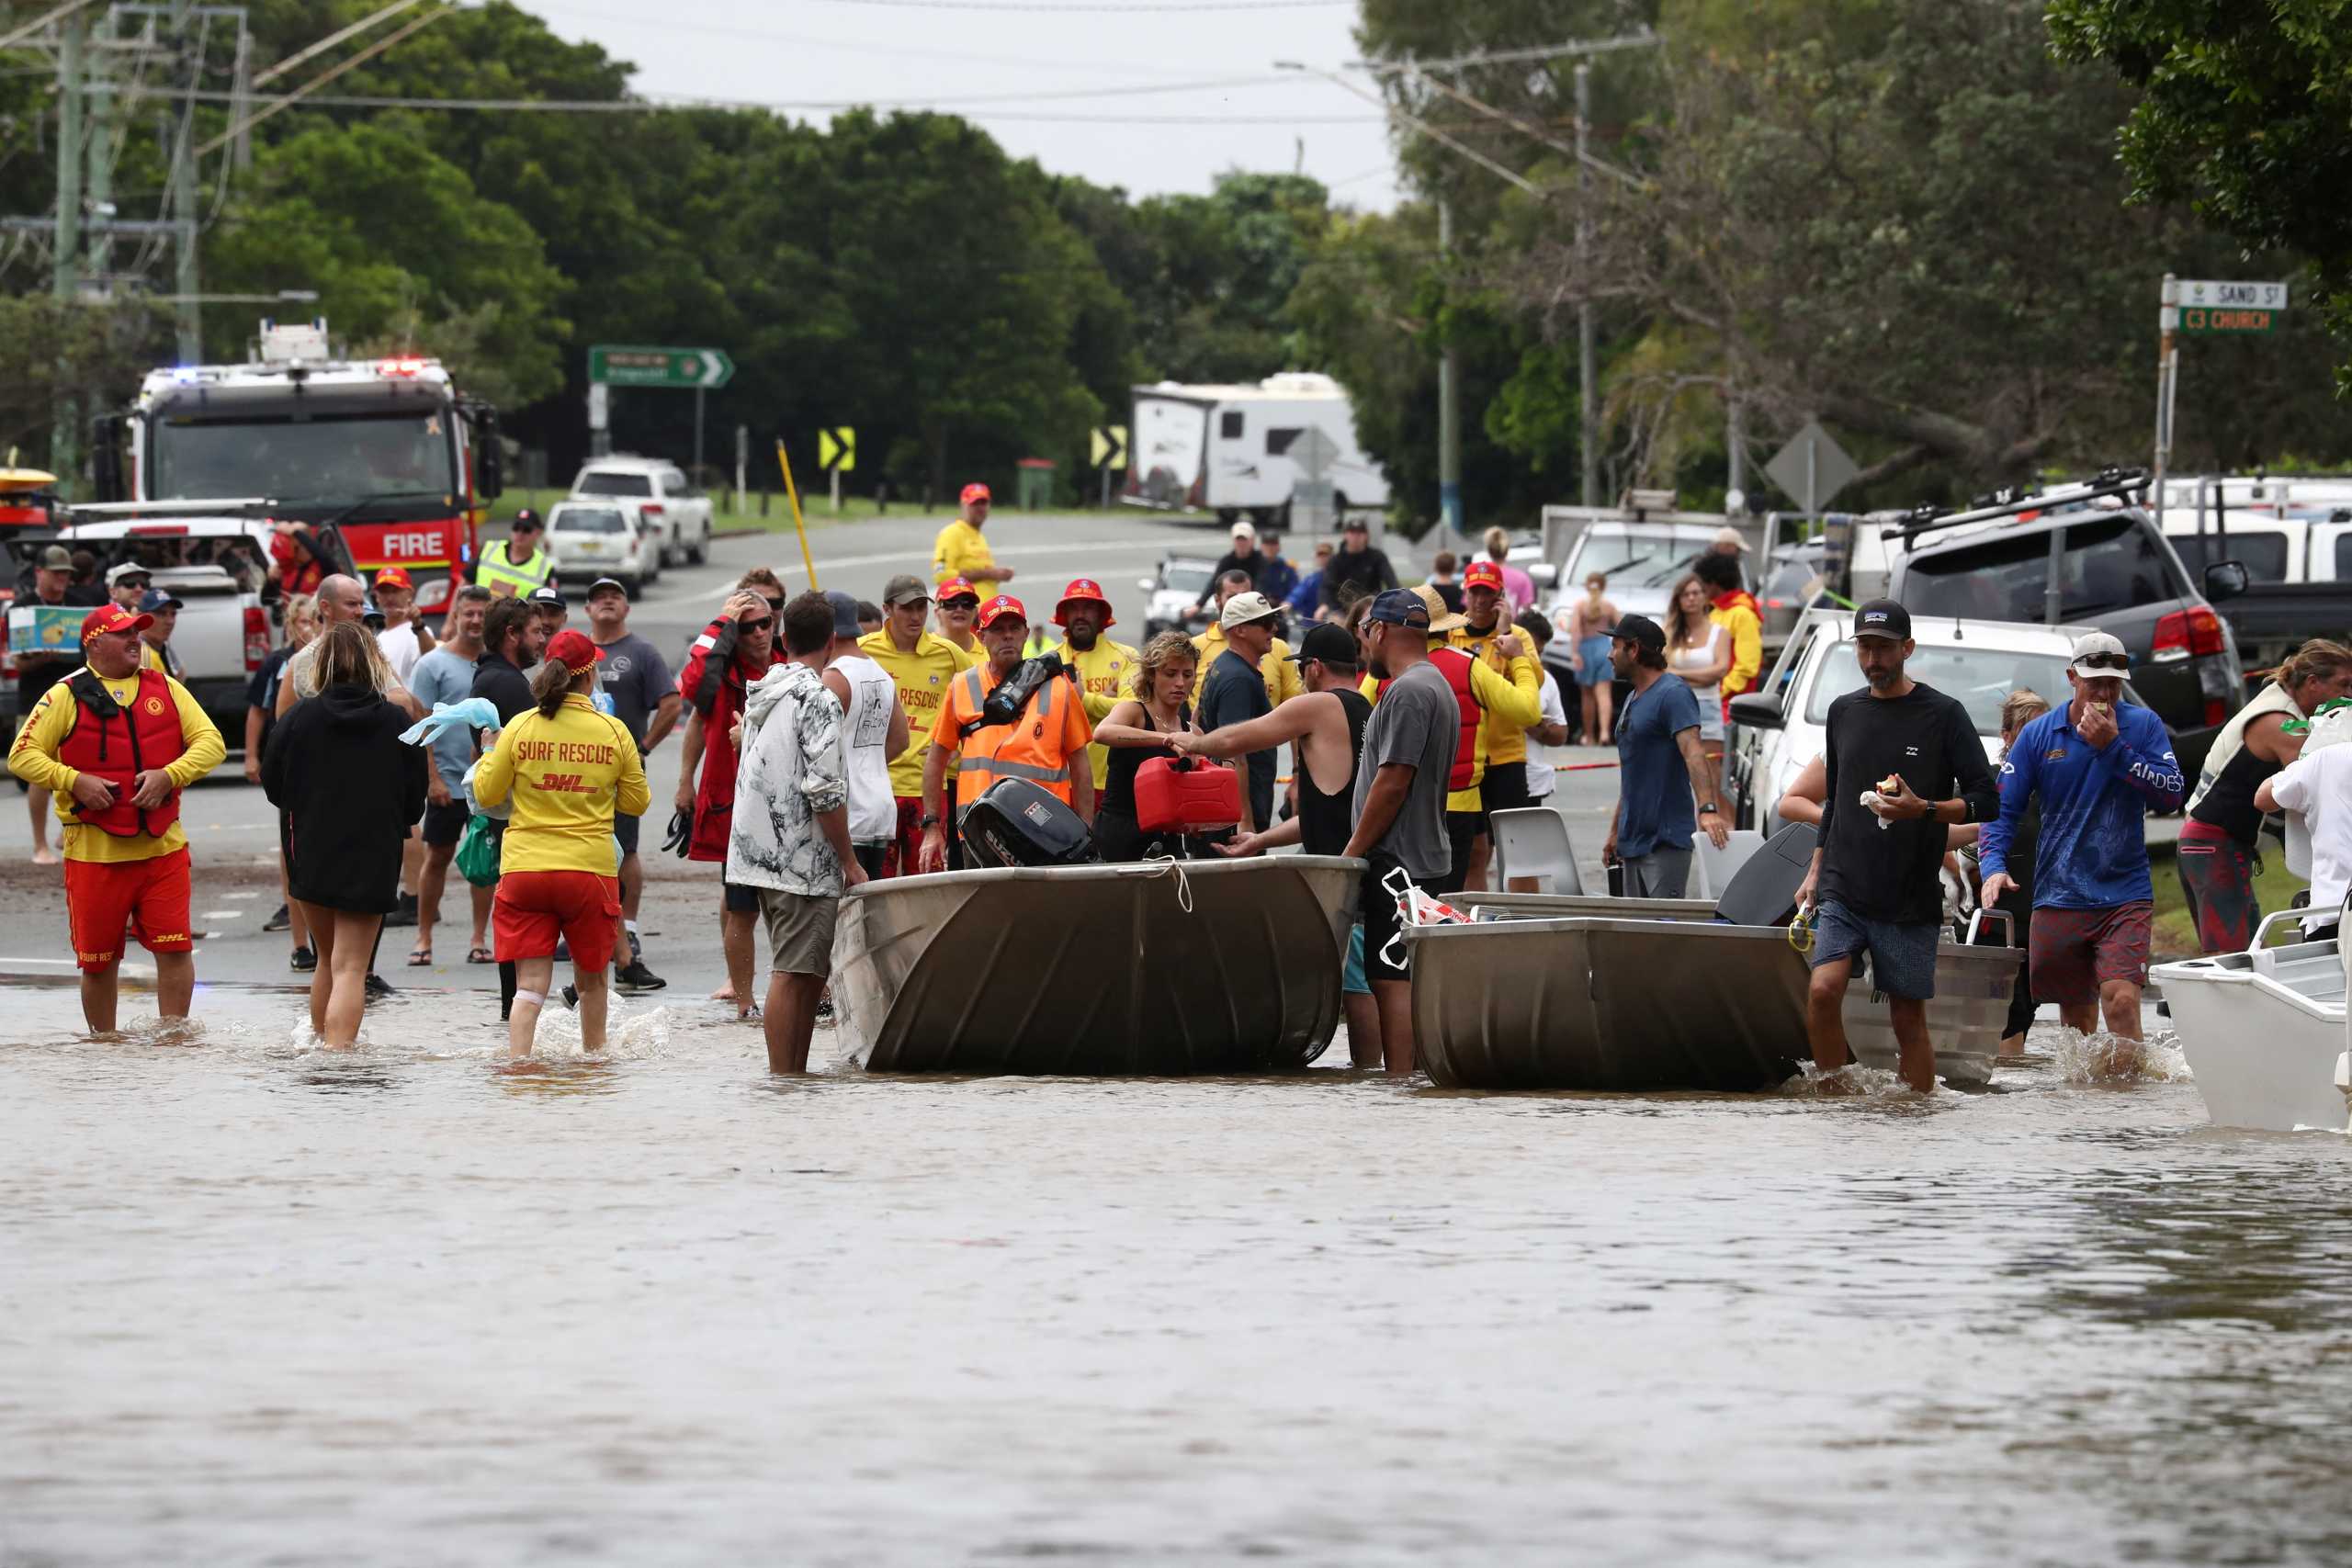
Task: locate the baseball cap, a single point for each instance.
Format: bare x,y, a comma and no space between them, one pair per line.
1441,619
844,614
1328,642
975,492
1354,525
958,588
615,583
1084,588
1243,608
1484,574
1882,617
1003,604
108,618
573,652
1641,631
57,557
1727,538
2099,654
156,599
526,518
370,612
394,577
905,589
1400,607
547,595
1243,528
115,573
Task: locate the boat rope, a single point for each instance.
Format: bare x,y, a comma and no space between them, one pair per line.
1801,930
1161,865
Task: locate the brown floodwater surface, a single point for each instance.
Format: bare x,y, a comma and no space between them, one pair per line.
417,1304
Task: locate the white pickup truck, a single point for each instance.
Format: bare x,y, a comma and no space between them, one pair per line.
218,568
665,498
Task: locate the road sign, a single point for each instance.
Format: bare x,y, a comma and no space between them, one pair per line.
837,449
1110,446
686,368
600,406
2230,295
1314,452
2208,322
1811,467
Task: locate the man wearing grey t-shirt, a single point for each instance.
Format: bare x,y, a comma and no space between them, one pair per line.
1408,749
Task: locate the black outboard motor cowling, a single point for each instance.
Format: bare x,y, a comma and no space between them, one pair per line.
1021,823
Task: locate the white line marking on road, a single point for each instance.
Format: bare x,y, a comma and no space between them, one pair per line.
245,894
895,557
225,914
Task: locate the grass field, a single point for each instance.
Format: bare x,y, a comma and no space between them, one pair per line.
2174,936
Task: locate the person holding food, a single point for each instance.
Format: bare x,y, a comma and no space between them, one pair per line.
1903,763
2097,766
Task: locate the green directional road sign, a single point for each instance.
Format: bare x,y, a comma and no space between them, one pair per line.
626,365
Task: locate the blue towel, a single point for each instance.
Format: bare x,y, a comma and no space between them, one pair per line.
475,712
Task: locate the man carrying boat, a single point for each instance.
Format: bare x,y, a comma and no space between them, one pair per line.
117,744
1903,762
1045,744
2098,767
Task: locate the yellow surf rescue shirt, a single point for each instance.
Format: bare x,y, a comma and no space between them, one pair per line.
921,678
568,775
960,548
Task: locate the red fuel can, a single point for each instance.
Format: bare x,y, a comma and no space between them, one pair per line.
1176,795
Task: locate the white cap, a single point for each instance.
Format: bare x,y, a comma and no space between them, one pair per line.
1244,529
126,568
1728,538
2093,643
1244,608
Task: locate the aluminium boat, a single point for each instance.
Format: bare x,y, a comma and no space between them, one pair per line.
2263,1030
1162,968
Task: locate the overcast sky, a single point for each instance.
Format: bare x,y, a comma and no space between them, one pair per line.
1154,101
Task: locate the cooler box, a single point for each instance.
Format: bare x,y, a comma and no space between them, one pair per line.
1177,795
1020,823
45,628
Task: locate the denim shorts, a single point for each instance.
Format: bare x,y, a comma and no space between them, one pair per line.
1903,958
1351,980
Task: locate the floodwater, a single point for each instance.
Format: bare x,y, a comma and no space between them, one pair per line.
416,1306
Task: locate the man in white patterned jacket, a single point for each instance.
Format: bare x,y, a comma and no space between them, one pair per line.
790,838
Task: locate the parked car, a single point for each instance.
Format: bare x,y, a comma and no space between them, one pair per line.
2298,559
2108,566
666,499
593,538
1642,560
1174,590
1780,725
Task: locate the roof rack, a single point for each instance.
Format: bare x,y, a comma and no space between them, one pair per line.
2014,502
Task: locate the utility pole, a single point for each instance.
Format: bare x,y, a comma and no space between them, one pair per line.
2167,380
1587,415
73,33
1449,399
183,188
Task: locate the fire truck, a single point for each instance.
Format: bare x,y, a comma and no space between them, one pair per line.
385,458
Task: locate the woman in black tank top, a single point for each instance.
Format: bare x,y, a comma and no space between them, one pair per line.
1136,731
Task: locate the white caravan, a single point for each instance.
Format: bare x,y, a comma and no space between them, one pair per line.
1227,449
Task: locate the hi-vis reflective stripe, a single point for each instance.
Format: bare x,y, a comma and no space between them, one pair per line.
1003,769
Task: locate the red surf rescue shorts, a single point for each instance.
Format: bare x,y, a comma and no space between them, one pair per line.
2074,951
533,907
148,897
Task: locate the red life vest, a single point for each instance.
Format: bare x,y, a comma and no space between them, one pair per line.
1454,664
119,743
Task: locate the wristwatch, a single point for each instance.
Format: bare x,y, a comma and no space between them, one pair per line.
930,820
1709,810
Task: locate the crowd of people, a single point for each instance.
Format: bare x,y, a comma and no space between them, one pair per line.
826,741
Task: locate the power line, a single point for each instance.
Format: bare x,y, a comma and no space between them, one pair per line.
1097,7
647,105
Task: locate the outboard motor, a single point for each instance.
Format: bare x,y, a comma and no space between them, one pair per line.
1021,823
1765,891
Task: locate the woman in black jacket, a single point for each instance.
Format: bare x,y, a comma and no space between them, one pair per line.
348,792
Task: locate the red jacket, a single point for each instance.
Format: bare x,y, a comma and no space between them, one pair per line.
713,684
121,745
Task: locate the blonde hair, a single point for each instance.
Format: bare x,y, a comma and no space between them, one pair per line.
348,657
1157,655
302,607
2020,708
1498,545
2315,660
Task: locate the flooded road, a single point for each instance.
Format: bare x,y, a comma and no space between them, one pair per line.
416,1306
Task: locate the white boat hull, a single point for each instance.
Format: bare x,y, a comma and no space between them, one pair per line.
2262,1032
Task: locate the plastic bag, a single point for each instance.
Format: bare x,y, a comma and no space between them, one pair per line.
478,852
1414,907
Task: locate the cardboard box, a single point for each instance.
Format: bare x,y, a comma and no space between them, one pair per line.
45,628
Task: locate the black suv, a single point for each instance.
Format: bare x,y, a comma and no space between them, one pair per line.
2111,569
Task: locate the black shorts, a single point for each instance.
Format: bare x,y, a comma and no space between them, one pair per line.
625,828
1461,828
1378,906
1503,789
444,825
870,858
740,901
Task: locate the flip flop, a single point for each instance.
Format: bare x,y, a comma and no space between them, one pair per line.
480,955
419,958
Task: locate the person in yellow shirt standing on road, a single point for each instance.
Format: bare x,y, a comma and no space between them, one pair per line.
1105,668
569,770
1280,670
117,744
919,663
961,551
1502,743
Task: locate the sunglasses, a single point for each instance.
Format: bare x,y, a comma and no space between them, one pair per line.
765,623
775,606
2104,661
964,605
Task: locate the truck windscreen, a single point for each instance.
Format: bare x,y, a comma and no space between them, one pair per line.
344,457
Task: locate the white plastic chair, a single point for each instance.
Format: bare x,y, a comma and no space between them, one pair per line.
1533,841
1712,869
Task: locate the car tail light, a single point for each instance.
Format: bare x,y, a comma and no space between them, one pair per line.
2216,713
256,637
2193,633
649,509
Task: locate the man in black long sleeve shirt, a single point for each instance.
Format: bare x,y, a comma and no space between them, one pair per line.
1243,558
1357,571
1875,881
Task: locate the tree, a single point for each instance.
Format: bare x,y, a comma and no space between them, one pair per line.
2245,112
52,349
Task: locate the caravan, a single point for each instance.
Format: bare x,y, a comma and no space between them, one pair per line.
1227,450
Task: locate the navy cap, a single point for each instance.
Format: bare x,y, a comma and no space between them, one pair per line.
156,599
845,613
1400,607
1882,617
547,595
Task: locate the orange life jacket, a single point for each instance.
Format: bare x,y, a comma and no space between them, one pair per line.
1453,664
117,744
